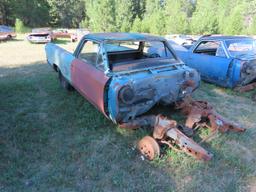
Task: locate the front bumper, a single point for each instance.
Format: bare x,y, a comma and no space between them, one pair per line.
39,40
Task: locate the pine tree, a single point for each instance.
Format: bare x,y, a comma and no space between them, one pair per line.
205,19
177,13
124,15
66,13
101,15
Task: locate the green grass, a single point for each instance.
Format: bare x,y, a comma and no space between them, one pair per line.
52,140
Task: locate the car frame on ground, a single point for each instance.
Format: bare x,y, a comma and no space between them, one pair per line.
228,61
6,33
40,35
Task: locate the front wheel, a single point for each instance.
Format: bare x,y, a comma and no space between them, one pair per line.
64,82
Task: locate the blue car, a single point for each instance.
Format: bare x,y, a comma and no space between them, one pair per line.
227,61
118,74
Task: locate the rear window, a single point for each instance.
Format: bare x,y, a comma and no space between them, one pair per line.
240,47
131,55
115,46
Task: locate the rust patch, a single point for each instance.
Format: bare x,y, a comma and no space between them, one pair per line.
202,114
188,83
246,88
149,148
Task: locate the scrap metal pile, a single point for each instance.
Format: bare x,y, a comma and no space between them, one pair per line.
200,114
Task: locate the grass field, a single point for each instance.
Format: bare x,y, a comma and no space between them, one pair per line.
52,140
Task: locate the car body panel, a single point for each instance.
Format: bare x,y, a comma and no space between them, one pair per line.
61,58
90,82
160,85
216,68
164,84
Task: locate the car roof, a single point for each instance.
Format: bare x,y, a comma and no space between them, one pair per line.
223,37
123,37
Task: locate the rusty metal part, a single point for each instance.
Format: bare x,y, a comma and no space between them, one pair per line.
201,114
149,148
162,125
166,130
187,131
144,121
246,88
188,83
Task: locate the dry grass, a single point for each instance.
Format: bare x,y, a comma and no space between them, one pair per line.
51,140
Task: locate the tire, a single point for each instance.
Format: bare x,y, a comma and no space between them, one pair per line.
9,37
64,83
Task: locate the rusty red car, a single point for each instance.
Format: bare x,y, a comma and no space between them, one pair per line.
6,33
61,33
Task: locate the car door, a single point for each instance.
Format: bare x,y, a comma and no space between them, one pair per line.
87,73
211,60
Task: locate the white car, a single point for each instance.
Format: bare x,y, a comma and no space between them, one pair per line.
180,39
40,35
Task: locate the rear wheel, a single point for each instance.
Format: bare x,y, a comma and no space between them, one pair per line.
64,83
149,148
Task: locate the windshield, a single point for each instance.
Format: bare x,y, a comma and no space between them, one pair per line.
241,47
131,55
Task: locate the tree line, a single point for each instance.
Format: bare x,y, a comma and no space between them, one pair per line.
149,16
